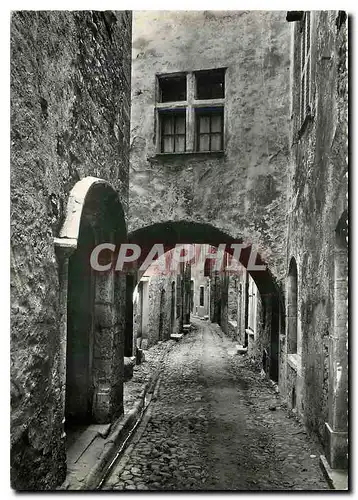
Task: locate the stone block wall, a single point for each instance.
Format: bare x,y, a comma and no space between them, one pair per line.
70,107
318,198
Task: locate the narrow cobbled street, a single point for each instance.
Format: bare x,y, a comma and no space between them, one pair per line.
216,425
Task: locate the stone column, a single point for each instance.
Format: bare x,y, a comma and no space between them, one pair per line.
337,426
103,351
64,248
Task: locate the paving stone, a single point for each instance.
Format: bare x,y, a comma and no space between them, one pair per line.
231,441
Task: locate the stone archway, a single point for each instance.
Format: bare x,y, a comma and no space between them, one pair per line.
187,232
92,306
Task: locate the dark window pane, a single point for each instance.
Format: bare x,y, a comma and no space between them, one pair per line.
172,88
210,84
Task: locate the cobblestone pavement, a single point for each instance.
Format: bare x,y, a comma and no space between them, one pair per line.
217,425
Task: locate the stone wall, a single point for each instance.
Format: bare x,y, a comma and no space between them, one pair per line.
243,192
70,106
318,189
163,312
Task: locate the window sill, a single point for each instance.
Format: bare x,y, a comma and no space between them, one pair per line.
187,154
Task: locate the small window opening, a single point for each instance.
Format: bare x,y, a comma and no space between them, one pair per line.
173,132
210,84
172,89
210,127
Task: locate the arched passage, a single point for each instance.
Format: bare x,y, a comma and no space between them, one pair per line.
92,305
172,233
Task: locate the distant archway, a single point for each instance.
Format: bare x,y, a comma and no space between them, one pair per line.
172,233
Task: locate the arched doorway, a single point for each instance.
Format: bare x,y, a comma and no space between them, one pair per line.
92,305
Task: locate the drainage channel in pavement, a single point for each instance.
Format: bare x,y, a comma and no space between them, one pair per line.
134,434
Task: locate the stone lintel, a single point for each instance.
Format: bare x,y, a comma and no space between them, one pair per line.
64,247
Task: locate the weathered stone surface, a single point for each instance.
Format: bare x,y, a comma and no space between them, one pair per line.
70,102
318,190
210,428
244,192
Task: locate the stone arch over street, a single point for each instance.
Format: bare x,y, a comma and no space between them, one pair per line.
92,305
186,232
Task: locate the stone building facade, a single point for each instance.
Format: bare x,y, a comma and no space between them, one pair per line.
70,112
238,135
278,180
209,151
315,346
239,187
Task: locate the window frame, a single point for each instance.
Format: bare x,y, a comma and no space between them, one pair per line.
209,72
172,114
166,78
209,112
190,107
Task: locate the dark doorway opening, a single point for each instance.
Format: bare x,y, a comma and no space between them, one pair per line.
80,306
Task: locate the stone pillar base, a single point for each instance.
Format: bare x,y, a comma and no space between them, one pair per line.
336,448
